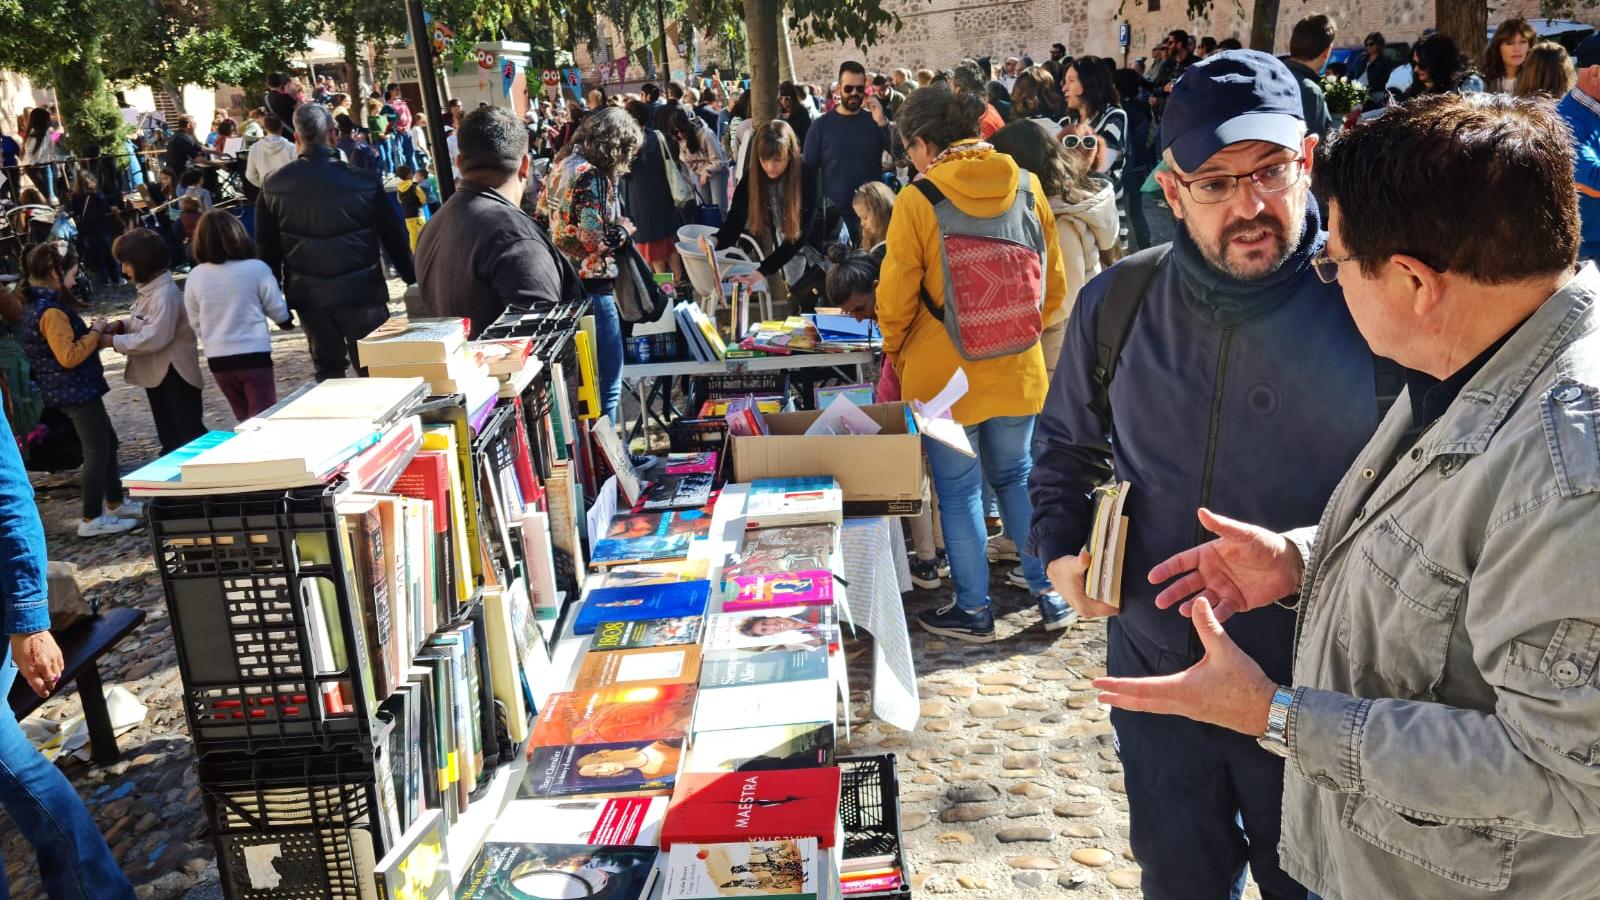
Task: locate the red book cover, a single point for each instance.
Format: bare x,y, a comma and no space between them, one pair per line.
428,478
371,464
731,807
522,452
615,715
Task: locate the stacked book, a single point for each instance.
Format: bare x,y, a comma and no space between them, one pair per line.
358,428
694,756
511,361
435,350
699,333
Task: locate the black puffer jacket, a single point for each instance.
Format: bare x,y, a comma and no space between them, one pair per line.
319,224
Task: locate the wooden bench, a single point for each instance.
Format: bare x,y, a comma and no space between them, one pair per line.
82,644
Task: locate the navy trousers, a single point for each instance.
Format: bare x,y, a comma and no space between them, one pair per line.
1204,802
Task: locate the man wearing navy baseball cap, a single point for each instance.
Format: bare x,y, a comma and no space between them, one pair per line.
1581,109
1235,382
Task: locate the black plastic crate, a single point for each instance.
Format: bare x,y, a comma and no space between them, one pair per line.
690,435
296,827
766,382
869,810
240,573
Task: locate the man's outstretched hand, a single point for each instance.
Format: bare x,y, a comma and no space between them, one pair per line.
1246,567
1224,688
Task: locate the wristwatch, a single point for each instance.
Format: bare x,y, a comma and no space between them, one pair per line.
1276,740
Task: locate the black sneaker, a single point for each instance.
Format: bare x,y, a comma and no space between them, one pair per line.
925,573
642,462
1057,615
952,621
1015,578
992,527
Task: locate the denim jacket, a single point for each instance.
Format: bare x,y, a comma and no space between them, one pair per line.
1446,728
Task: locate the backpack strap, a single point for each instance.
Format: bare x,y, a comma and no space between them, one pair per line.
1129,281
928,189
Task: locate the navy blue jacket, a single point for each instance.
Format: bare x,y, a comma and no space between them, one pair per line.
1249,398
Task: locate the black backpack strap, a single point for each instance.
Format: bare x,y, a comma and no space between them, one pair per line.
1130,278
931,191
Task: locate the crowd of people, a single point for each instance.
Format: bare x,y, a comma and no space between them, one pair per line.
1371,318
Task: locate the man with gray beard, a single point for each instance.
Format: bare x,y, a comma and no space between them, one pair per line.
1241,386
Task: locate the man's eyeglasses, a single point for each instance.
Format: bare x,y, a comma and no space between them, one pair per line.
1271,179
1079,142
852,89
1327,267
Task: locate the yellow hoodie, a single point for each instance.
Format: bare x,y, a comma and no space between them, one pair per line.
923,354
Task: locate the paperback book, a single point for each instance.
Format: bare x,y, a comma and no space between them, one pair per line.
615,714
789,868
415,868
627,768
506,871
689,490
810,500
632,603
754,806
1107,542
651,536
646,633
637,574
734,668
783,628
770,550
812,587
757,705
757,749
647,666
634,821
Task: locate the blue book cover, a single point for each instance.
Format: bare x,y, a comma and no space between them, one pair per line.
632,603
168,470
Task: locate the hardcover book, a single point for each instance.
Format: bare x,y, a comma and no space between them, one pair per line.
646,537
632,603
770,550
784,868
757,749
670,572
647,633
647,666
734,668
779,628
615,714
690,490
634,821
812,500
415,868
559,871
754,806
811,587
629,768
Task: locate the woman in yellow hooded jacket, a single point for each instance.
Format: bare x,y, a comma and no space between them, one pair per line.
940,129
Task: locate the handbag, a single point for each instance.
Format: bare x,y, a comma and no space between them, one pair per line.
808,291
675,182
639,298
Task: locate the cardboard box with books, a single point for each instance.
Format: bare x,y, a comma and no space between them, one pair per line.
879,474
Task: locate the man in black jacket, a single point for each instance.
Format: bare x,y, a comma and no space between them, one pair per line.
319,224
481,253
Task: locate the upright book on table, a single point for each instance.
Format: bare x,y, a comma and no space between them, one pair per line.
754,806
1107,542
630,768
559,871
427,478
628,604
614,714
784,869
415,869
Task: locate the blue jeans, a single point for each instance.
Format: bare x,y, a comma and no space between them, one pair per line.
405,152
607,353
1003,454
74,861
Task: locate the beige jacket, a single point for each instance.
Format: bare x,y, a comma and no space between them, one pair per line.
158,336
1445,738
1084,229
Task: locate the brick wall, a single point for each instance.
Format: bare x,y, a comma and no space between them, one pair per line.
937,33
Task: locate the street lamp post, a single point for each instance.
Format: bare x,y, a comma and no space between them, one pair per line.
428,80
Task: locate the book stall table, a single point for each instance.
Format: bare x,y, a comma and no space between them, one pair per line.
807,368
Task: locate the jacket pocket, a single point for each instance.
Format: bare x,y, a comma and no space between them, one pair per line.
1399,615
1560,680
1479,857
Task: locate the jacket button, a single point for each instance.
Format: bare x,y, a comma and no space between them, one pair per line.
1416,452
1569,393
1566,673
1368,474
1361,513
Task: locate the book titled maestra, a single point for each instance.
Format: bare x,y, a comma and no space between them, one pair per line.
813,587
632,603
754,806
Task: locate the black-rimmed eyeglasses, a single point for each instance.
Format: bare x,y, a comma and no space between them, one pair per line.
1270,179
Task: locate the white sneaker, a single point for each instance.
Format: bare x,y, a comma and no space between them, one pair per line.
130,509
105,524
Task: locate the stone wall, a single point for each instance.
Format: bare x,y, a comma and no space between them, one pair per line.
937,33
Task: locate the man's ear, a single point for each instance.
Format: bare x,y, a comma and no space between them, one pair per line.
1170,189
1425,282
524,169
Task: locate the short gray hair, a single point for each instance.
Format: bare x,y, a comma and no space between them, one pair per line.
608,138
313,123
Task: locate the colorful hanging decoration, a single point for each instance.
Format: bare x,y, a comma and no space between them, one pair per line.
570,77
508,76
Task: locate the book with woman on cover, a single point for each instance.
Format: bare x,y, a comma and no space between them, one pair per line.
559,871
618,769
647,537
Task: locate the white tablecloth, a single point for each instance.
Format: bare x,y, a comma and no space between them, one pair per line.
877,571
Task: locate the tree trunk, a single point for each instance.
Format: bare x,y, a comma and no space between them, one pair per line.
761,18
1467,21
1264,25
349,37
785,49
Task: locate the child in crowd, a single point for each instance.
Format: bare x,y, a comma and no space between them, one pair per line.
378,133
873,203
430,185
231,296
64,353
158,340
193,183
189,212
852,286
413,201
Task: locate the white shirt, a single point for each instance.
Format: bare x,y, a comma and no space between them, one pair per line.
266,156
230,305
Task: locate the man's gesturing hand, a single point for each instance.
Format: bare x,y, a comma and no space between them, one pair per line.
1066,574
1245,568
1225,687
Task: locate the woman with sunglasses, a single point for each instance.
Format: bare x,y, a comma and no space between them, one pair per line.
1096,112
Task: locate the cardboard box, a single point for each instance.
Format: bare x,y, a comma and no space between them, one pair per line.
881,474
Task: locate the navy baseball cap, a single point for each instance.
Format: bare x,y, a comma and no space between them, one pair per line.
1229,97
1588,52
